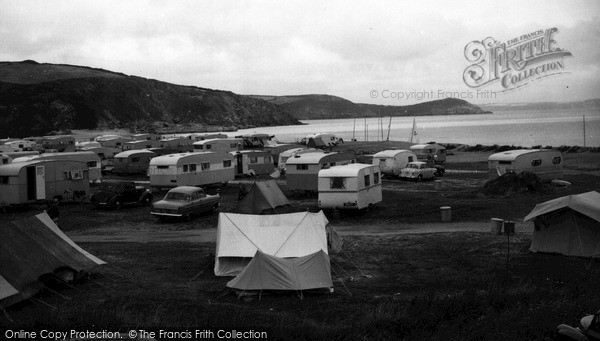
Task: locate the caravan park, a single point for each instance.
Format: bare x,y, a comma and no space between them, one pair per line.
300,170
401,271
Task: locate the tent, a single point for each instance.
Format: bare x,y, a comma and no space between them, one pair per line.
261,197
569,225
239,236
32,247
266,272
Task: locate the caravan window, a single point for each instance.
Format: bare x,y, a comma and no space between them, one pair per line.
375,178
135,159
205,165
367,180
254,160
226,163
92,164
337,183
208,146
556,160
192,167
185,168
233,145
537,162
410,159
267,159
198,147
504,162
301,167
3,179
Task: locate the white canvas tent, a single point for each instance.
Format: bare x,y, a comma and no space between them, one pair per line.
265,272
569,225
239,236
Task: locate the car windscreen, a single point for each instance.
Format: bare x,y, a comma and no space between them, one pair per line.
177,196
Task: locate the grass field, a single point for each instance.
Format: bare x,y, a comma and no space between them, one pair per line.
389,285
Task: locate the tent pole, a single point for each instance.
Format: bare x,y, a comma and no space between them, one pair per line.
44,303
57,293
7,316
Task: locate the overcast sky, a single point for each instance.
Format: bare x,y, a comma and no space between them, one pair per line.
341,48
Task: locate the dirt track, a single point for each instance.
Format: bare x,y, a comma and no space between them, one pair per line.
209,235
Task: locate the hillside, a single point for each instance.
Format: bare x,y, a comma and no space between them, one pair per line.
588,104
40,98
326,106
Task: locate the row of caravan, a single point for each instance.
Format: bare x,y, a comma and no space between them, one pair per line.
203,168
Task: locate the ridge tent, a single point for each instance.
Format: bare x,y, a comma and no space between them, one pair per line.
239,236
568,225
7,293
262,196
266,272
32,247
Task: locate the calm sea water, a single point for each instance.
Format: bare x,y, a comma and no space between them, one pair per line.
523,128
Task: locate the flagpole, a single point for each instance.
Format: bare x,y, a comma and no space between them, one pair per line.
584,131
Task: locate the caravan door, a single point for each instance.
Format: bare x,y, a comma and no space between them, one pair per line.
40,182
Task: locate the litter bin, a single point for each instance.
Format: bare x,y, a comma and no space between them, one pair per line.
438,185
496,225
509,227
446,212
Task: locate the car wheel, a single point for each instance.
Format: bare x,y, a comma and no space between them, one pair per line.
420,178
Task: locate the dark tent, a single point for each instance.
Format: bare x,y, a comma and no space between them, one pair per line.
263,196
569,225
30,248
266,272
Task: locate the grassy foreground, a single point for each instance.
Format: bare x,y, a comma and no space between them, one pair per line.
446,286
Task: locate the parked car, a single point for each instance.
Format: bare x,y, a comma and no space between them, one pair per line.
185,201
418,171
117,193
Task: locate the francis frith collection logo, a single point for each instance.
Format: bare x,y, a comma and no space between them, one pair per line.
516,62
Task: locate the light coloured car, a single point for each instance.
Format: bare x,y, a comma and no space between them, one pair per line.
184,202
418,171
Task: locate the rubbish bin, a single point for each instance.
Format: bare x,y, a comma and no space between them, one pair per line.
509,227
446,212
496,225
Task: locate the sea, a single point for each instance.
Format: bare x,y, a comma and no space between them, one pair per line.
526,128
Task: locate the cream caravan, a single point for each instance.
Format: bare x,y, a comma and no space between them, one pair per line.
28,182
91,159
218,145
354,186
545,163
252,162
302,171
429,152
133,162
393,161
191,169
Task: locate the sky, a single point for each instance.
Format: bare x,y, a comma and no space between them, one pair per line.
380,52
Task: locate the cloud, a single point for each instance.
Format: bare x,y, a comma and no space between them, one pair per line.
272,47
